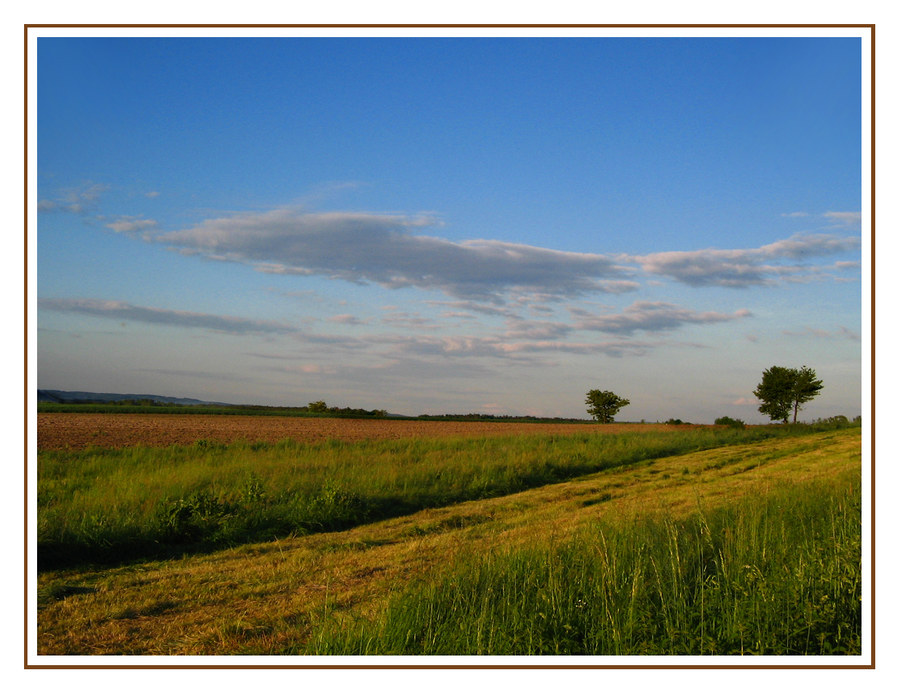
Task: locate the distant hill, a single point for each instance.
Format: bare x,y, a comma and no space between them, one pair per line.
71,396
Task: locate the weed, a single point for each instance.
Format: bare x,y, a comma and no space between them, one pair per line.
192,518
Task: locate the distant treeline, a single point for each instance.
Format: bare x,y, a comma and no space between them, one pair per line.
320,409
145,406
154,407
314,409
476,417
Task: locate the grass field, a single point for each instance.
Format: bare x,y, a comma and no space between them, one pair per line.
702,540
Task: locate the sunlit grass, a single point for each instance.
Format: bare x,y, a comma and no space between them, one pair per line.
777,574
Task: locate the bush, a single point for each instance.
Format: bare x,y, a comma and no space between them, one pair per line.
729,422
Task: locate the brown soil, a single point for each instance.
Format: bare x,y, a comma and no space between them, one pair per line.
68,430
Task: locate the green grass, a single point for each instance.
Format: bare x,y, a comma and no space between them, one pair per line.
114,505
777,574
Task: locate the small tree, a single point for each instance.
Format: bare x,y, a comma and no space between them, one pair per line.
604,404
782,390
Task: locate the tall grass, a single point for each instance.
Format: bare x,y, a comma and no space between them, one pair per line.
774,575
114,505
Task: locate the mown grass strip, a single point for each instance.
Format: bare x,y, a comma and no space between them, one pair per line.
116,505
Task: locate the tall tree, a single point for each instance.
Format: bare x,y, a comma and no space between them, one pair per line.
783,390
604,404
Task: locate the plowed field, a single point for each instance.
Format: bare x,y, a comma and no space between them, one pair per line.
68,430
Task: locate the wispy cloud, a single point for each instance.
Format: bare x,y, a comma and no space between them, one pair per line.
652,316
617,348
405,319
387,250
129,224
189,373
852,220
840,333
122,311
740,268
346,319
477,307
78,200
537,330
502,347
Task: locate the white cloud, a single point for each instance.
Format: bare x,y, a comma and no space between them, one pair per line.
745,401
385,249
394,251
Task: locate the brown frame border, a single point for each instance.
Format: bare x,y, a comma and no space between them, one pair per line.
528,666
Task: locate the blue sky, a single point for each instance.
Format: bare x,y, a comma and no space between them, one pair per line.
451,225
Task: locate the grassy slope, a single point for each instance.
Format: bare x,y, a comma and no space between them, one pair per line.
113,505
273,597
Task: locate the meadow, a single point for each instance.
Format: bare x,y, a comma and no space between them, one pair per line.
687,540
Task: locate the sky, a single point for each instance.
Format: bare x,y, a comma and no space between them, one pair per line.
451,225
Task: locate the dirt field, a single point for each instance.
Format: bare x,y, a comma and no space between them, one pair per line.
65,430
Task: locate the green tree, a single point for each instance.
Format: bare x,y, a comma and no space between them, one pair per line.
317,406
783,390
604,404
